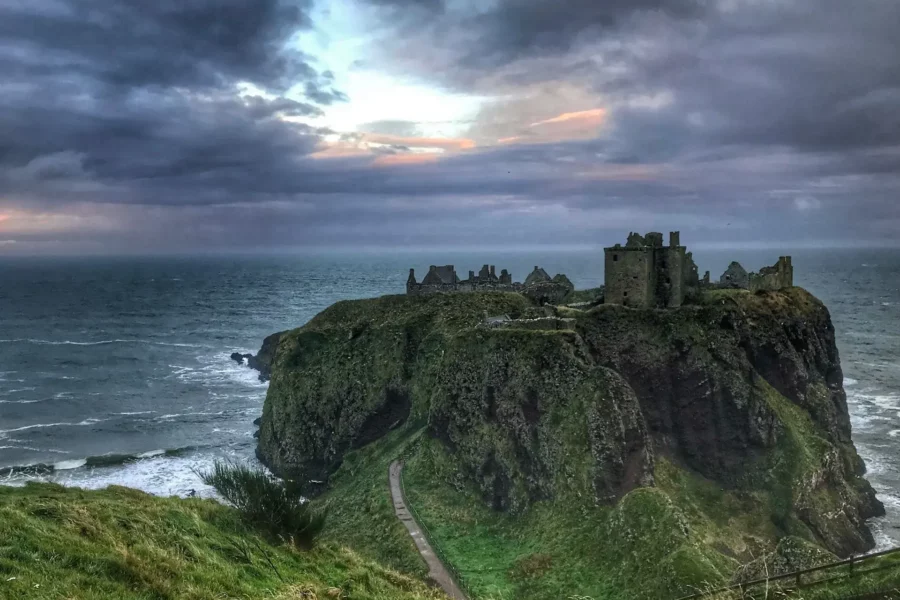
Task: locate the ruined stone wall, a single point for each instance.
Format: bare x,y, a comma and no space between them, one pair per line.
776,277
630,276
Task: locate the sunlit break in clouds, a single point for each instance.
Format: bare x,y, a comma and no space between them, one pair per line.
137,127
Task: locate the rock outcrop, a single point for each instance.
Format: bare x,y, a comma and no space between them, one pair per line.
742,389
262,362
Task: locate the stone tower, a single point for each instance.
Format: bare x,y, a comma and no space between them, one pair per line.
645,274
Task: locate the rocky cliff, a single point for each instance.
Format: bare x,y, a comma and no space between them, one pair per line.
743,391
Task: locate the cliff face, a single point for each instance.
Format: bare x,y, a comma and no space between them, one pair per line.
744,390
747,390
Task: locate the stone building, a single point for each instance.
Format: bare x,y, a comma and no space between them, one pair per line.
735,276
644,273
539,286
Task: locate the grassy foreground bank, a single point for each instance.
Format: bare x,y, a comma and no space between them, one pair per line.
119,543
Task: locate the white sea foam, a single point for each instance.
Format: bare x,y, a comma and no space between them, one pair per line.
90,421
218,369
151,454
882,540
22,401
849,381
888,401
873,397
160,475
68,465
894,433
189,414
97,343
32,449
37,426
135,413
16,391
889,500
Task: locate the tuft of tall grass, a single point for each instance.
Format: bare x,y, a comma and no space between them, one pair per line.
265,502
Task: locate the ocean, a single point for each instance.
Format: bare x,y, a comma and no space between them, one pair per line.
117,370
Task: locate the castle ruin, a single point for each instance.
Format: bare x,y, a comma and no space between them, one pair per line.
539,286
646,274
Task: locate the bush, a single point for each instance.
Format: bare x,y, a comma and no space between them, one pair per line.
265,502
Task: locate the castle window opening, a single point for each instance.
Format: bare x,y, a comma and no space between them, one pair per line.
615,258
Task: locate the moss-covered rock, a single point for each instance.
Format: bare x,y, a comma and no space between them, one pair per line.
528,414
360,369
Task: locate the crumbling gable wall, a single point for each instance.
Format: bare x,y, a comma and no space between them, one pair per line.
776,277
735,276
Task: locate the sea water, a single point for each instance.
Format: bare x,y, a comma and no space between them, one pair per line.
117,371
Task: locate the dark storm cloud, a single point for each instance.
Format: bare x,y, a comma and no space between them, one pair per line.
499,32
733,120
132,101
165,42
715,90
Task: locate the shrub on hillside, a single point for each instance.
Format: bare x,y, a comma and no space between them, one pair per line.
266,502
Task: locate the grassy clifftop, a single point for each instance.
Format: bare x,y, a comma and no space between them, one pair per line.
120,543
630,453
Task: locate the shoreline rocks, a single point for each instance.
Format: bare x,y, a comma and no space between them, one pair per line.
262,361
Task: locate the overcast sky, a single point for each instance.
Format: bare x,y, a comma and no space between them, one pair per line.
172,125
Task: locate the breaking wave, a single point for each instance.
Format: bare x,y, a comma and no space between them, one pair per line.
97,343
91,462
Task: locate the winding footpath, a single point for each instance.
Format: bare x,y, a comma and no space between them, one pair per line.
436,569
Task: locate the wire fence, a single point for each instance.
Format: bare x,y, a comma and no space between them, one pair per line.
457,577
844,569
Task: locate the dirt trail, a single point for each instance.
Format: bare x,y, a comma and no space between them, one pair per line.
436,569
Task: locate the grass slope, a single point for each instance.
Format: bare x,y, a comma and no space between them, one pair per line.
119,543
360,509
640,548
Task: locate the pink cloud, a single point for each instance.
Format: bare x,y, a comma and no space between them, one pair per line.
584,118
405,159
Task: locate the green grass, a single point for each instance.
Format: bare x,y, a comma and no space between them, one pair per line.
643,547
360,509
119,544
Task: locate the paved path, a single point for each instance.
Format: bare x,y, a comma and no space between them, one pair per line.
436,569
